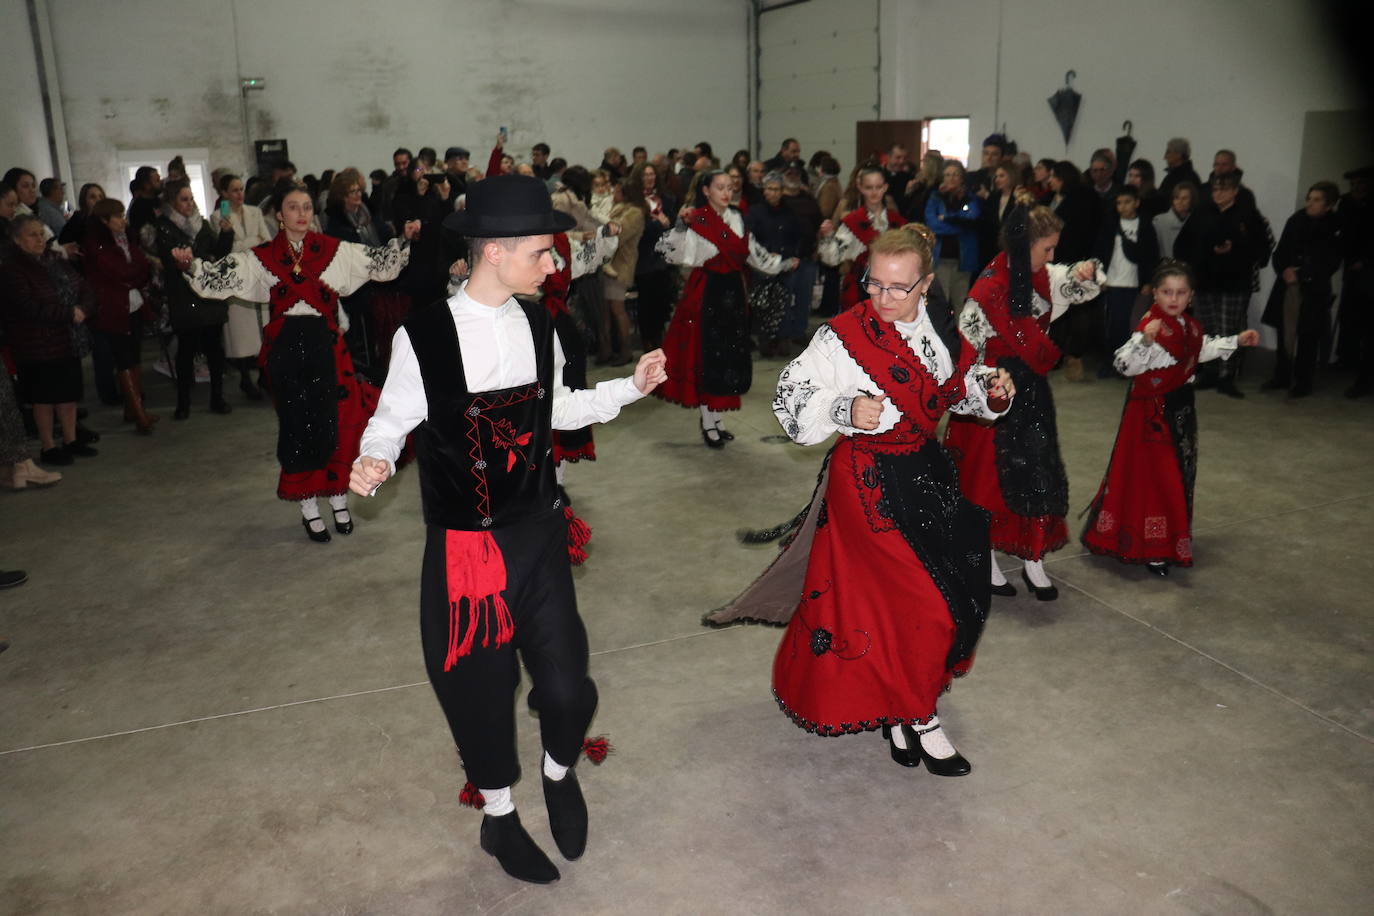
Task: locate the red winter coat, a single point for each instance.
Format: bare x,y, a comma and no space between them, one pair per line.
111,276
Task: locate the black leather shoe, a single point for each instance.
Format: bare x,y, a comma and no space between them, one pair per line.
343,527
725,433
718,441
80,449
505,838
319,537
1159,569
57,456
941,766
220,407
1041,594
567,814
907,756
1005,590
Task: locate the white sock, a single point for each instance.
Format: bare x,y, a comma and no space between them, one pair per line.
552,769
898,737
717,419
498,801
1035,571
310,511
934,742
340,506
707,417
997,577
558,470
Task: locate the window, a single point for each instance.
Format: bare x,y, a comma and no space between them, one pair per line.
197,171
949,136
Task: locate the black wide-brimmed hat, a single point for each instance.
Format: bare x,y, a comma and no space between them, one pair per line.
506,206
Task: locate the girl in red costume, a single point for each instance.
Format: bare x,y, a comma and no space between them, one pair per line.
707,343
849,240
1013,468
322,406
1143,511
884,585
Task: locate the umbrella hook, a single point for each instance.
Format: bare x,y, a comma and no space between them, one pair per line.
1127,126
1070,77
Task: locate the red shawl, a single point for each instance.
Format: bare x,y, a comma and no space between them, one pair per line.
1184,345
557,284
1022,336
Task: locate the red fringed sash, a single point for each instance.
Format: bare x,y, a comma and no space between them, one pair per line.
476,574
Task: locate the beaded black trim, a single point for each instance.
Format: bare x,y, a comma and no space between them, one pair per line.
826,730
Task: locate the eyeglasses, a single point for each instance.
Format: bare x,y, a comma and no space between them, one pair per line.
898,293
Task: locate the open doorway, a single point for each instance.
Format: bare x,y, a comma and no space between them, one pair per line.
197,170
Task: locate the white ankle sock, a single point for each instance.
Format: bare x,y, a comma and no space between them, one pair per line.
934,742
997,577
310,511
339,504
1035,571
898,738
498,801
552,769
708,418
558,471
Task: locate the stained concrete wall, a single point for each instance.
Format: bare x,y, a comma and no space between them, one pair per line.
350,80
23,137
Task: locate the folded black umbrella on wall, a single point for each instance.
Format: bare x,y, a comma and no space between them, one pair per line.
1125,148
1064,104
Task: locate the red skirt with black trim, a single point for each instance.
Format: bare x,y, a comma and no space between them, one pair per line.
1029,537
867,645
682,347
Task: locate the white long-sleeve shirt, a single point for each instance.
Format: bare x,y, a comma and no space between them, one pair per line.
1066,289
498,352
844,245
684,247
1136,357
817,389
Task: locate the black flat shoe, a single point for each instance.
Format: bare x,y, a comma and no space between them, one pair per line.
1041,594
319,537
56,456
343,527
505,838
1005,590
717,442
941,766
80,449
907,756
1159,569
725,433
567,814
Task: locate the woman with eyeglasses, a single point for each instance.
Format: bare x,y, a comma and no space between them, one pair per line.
707,343
883,585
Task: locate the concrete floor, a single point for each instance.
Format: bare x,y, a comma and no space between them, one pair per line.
204,712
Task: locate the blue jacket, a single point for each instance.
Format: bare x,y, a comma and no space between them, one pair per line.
963,223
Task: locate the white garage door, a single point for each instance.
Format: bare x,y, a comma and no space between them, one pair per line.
818,74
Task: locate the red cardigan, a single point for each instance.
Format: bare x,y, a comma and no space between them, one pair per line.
111,276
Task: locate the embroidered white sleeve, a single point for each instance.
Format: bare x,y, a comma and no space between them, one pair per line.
588,256
975,400
975,327
238,275
1067,289
763,260
1218,347
362,263
1136,357
844,245
684,247
812,402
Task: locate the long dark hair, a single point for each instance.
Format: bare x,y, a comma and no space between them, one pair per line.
81,205
703,181
577,179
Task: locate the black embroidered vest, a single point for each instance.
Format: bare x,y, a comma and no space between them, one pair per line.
485,458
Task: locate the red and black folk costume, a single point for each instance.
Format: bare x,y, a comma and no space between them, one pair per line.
1012,468
573,445
884,585
707,343
1143,510
322,406
856,231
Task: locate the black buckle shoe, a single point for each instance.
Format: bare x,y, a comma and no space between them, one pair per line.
717,442
956,765
1159,569
57,456
567,814
907,756
319,537
342,527
1041,594
505,838
725,433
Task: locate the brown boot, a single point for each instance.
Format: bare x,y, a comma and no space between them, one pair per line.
1073,369
136,374
133,405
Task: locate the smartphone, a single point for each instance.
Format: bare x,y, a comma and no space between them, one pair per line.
505,134
224,209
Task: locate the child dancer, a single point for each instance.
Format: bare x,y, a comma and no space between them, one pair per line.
1143,511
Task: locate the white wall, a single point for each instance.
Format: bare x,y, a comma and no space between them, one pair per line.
350,80
24,137
1225,73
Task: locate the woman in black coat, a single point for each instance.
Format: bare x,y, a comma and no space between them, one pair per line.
198,323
